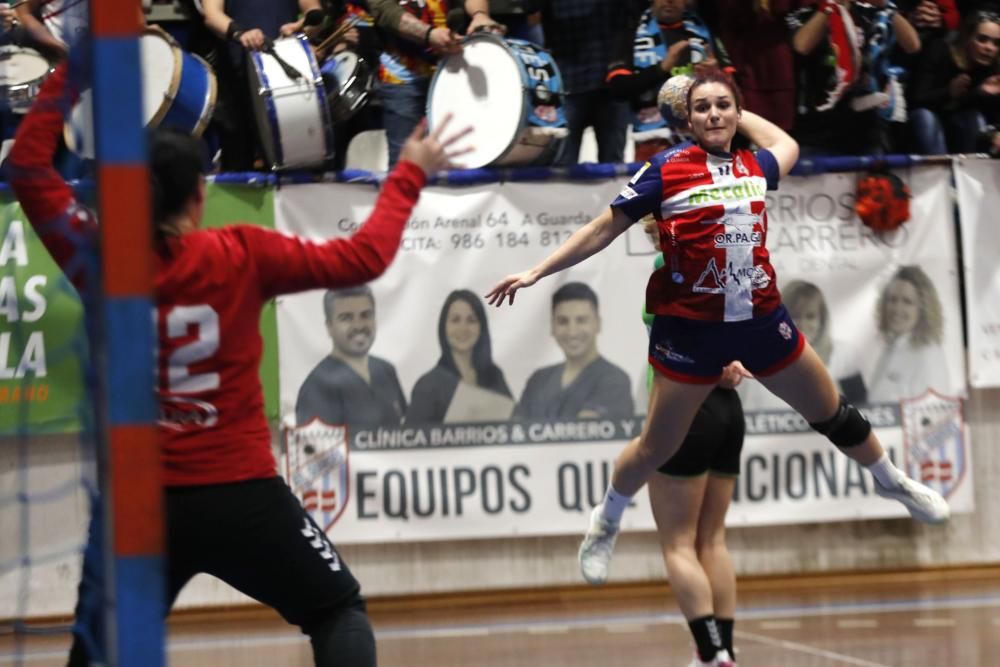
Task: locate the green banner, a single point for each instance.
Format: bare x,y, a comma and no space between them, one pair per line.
43,344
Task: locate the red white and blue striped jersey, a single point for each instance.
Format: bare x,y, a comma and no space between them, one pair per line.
712,223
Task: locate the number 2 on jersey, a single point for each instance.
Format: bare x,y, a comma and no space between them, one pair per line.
179,321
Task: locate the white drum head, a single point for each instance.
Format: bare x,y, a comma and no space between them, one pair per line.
481,88
19,65
347,63
160,73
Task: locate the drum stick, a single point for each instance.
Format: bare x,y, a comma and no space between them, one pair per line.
338,33
290,71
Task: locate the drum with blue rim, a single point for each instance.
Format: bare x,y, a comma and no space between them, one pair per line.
290,104
510,92
178,90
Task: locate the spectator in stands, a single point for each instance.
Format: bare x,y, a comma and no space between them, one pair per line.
755,35
51,25
359,36
669,40
522,18
248,25
955,95
931,18
583,36
9,23
846,90
417,34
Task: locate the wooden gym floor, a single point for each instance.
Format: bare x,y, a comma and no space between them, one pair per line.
941,618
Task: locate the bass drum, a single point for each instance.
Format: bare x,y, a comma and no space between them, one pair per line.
178,90
510,92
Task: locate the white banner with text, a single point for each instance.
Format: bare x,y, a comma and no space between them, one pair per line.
413,411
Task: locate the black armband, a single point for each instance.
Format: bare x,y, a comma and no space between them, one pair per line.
427,36
234,31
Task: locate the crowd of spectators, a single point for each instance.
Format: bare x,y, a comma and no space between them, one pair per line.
845,77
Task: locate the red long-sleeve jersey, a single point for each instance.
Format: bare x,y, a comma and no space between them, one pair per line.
210,287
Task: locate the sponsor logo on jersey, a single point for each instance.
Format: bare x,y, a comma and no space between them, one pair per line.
183,413
739,168
715,281
628,193
711,195
738,239
667,352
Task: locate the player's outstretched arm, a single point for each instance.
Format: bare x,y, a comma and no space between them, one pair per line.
289,264
46,199
586,241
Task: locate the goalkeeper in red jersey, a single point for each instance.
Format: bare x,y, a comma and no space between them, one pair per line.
228,513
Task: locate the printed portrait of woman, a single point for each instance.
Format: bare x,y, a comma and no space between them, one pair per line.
809,310
465,385
911,326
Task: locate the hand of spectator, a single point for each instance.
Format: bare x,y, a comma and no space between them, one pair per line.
290,29
928,15
252,39
431,152
707,65
959,86
352,37
733,374
482,22
991,86
444,42
673,57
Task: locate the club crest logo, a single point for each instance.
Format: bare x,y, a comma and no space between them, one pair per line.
934,441
317,469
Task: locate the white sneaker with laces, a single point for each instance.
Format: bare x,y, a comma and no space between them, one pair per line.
597,547
721,659
924,503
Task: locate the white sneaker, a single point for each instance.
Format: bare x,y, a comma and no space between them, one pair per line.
923,503
721,659
598,544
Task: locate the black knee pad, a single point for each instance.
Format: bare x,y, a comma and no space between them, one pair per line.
847,428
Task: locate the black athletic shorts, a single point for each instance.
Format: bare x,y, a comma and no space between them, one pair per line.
715,439
256,537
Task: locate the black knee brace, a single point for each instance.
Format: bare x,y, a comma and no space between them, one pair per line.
846,428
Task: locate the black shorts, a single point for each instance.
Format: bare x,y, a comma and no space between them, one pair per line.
253,535
256,537
715,439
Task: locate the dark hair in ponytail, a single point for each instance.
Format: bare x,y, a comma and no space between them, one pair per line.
176,164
